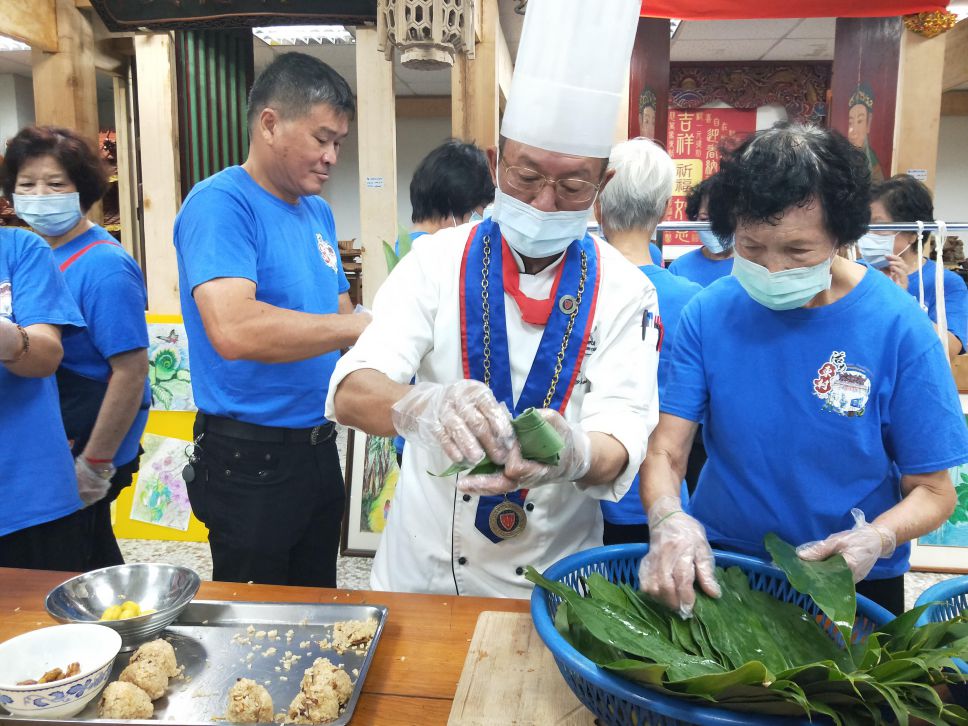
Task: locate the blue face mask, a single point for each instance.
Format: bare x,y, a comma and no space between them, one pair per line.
875,248
783,290
475,217
711,242
50,214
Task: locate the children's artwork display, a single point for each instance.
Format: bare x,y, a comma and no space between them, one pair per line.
168,366
159,494
372,472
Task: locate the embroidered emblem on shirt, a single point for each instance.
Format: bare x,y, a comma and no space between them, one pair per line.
843,388
326,251
6,299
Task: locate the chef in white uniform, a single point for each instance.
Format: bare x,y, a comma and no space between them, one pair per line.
575,334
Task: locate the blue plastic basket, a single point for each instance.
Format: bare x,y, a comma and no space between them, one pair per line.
948,599
619,702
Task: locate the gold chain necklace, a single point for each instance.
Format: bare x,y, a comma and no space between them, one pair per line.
486,320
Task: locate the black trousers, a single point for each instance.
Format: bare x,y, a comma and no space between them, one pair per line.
273,510
888,593
57,545
625,533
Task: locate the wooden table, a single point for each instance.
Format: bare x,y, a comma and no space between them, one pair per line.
418,661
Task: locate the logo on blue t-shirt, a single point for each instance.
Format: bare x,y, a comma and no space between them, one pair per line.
843,388
326,251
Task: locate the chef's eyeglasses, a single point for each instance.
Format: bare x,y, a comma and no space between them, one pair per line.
569,191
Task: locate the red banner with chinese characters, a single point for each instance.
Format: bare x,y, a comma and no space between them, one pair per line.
746,10
694,138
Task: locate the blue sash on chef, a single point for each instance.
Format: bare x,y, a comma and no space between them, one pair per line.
542,369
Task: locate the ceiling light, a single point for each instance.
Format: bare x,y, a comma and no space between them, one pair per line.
11,44
304,35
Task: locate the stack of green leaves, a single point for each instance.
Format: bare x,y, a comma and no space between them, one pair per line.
748,651
538,439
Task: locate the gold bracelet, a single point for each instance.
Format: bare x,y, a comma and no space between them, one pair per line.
26,349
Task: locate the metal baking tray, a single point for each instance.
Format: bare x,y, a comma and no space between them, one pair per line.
203,640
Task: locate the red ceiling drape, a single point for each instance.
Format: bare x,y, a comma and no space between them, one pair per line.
750,9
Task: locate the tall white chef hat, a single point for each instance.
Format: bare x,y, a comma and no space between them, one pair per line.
570,75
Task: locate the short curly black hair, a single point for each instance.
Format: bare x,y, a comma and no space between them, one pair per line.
787,166
84,167
695,196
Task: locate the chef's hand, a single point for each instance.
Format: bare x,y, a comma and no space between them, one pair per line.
93,481
463,418
861,546
11,340
520,473
896,270
679,554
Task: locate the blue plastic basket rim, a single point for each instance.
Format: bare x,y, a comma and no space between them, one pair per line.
641,695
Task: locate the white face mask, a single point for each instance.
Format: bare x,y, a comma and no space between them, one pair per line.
711,242
533,233
784,290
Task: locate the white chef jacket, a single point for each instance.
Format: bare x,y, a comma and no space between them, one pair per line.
430,543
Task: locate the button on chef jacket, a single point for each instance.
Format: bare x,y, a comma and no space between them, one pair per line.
430,543
38,481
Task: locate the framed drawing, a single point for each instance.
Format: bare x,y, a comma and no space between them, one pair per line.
371,474
946,549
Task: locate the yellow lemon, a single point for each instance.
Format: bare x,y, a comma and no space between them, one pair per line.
112,613
130,604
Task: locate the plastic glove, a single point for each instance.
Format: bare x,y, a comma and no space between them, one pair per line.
679,554
11,341
92,484
463,418
861,546
521,473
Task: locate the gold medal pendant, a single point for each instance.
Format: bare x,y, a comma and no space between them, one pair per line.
508,519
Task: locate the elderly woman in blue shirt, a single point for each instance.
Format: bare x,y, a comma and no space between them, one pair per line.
815,379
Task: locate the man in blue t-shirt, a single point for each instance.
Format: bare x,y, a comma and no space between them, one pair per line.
711,261
629,207
266,310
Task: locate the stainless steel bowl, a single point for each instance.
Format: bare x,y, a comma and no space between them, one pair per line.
167,589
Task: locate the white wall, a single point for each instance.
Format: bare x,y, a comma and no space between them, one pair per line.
951,188
16,105
415,138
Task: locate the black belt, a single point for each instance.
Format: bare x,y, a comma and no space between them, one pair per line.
223,426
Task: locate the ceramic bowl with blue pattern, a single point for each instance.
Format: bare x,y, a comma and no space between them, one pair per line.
31,655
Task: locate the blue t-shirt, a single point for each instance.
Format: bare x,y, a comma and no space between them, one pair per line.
955,299
37,482
107,286
697,267
673,293
655,254
229,226
809,412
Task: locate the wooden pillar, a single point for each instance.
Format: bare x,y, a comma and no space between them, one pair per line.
918,116
474,84
161,197
377,129
127,168
956,57
33,23
649,83
65,83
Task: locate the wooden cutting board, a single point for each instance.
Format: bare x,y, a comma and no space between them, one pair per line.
510,678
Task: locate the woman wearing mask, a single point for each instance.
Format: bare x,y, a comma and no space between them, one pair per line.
53,178
902,198
714,259
814,378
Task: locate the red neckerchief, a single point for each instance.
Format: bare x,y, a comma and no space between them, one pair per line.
535,312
